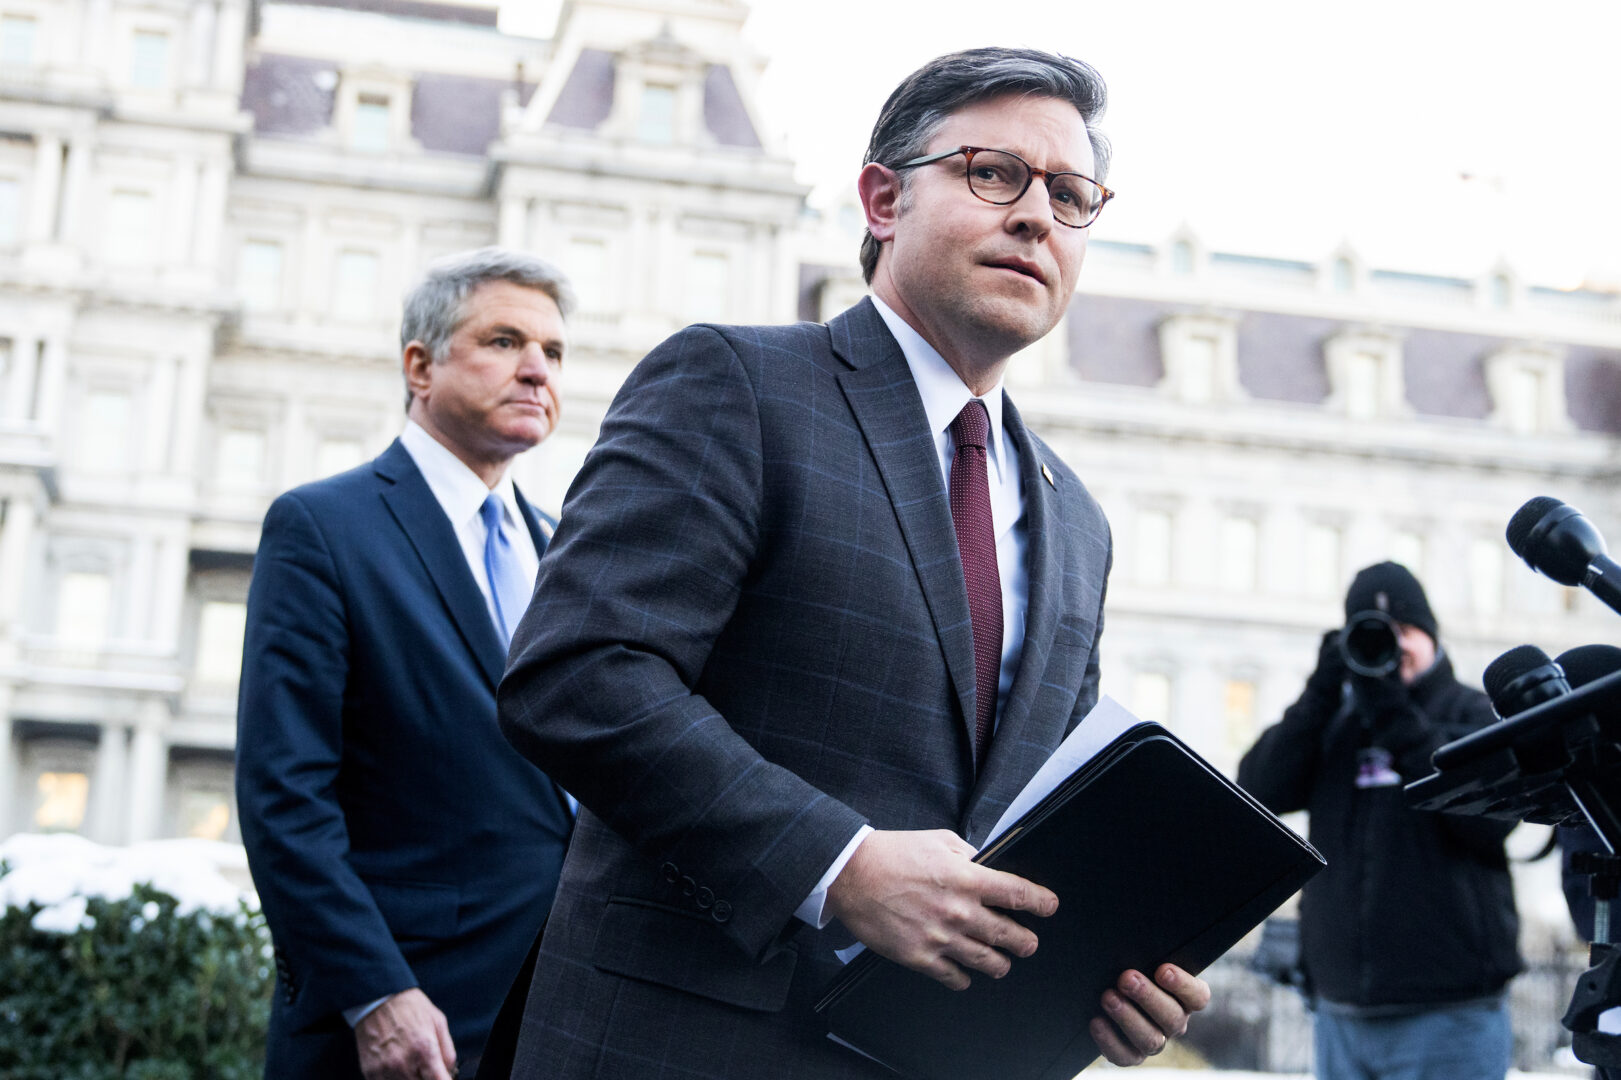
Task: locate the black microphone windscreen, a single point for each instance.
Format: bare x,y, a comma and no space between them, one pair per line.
1585,663
1510,666
1525,519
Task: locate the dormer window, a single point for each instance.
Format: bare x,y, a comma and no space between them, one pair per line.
1527,386
149,60
369,129
1200,353
18,34
656,121
1365,374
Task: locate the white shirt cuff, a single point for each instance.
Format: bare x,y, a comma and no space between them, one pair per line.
360,1012
811,910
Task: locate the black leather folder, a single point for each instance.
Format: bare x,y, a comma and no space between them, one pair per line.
1155,857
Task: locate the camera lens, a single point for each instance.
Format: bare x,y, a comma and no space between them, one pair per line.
1370,644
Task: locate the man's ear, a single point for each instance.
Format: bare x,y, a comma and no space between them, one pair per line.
418,365
880,190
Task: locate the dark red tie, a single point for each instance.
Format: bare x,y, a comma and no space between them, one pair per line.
976,543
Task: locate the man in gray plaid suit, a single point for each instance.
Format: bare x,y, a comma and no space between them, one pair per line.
818,607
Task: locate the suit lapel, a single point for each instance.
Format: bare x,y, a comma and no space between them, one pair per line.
1017,751
424,523
541,526
884,399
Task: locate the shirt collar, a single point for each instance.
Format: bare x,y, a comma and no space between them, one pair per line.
942,389
458,488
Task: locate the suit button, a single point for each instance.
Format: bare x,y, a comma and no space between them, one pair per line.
671,872
688,886
706,898
721,912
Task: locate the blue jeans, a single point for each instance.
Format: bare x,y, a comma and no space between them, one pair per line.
1472,1041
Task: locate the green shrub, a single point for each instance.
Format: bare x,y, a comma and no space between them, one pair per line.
139,991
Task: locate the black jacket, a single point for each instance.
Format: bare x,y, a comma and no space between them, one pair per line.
1415,908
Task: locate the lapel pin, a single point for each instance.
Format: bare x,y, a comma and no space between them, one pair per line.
1047,474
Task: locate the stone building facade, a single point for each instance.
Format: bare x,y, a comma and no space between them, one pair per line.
209,209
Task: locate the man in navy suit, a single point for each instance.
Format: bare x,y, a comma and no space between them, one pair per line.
405,856
819,606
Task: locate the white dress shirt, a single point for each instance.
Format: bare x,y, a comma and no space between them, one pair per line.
460,494
944,394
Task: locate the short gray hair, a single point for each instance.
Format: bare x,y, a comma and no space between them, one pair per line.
926,98
435,306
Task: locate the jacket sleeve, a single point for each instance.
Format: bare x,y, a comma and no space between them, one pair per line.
1412,735
337,950
655,545
1281,768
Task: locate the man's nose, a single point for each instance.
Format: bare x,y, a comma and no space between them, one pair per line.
533,364
1033,210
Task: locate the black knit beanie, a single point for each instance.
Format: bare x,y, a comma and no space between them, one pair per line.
1391,588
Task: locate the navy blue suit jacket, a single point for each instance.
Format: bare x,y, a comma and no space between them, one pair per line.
750,637
395,838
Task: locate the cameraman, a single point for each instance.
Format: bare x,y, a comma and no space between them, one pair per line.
1409,937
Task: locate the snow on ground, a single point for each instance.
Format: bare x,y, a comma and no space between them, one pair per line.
62,872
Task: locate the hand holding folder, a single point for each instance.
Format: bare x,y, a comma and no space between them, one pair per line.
1156,858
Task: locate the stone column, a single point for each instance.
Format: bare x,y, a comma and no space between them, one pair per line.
8,764
229,36
53,376
107,818
170,565
514,225
74,183
184,210
159,420
209,214
47,186
19,391
190,392
200,42
16,540
149,766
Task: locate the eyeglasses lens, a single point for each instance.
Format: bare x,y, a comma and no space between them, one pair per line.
1001,178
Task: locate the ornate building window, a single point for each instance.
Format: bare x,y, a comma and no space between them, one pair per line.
1200,354
1365,375
1322,560
354,291
149,60
1527,386
1237,553
131,236
708,287
1151,697
655,121
221,625
18,41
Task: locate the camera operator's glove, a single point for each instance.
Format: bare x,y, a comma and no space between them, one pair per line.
1324,683
1381,700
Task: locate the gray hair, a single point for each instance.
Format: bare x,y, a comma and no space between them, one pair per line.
435,306
925,100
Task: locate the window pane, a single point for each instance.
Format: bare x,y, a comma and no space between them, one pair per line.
1151,554
1322,561
1151,697
220,629
334,456
371,123
1238,552
205,815
1486,576
130,225
258,276
1362,385
355,294
60,799
1407,548
1199,369
10,212
240,458
709,281
149,59
84,605
656,123
17,34
1239,710
104,431
587,262
1523,407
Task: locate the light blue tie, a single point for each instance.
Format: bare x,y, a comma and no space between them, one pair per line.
509,592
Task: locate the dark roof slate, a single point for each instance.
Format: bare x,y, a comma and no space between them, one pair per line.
587,95
285,94
724,113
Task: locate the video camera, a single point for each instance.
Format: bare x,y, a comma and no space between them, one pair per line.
1554,757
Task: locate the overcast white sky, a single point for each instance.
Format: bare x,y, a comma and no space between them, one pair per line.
1434,135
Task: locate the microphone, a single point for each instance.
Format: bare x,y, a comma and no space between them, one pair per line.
1556,541
1524,677
1588,663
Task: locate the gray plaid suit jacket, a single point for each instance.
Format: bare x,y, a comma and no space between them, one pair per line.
749,637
